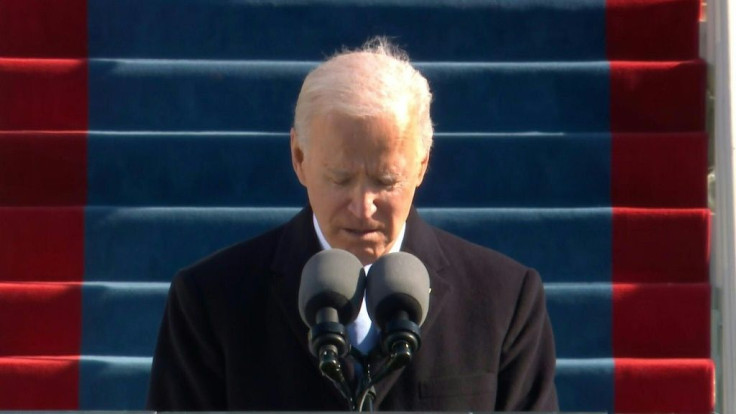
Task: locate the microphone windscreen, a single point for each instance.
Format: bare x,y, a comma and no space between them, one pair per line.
331,279
397,282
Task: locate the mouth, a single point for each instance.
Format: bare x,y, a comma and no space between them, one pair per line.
361,233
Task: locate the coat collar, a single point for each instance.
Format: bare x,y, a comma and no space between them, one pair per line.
421,241
299,242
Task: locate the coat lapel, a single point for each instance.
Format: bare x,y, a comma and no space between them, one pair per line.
297,244
420,240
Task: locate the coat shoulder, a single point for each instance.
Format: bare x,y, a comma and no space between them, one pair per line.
474,258
249,257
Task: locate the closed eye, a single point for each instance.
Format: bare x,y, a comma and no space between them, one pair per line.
339,179
388,183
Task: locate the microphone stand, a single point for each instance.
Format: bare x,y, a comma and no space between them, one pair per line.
365,393
328,341
331,368
401,341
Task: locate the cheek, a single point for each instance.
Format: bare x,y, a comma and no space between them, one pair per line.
327,200
397,206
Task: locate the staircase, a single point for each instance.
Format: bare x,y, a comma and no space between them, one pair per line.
139,136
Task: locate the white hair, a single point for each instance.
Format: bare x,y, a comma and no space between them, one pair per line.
373,81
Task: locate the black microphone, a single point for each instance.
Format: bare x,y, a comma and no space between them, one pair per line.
330,296
397,298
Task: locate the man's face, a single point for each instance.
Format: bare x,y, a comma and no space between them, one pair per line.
360,176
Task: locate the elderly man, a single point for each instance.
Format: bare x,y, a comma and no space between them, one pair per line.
232,337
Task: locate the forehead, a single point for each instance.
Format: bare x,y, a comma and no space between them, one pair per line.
340,131
341,143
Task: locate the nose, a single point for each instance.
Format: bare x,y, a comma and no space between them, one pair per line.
363,202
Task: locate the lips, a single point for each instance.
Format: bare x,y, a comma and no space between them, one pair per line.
362,233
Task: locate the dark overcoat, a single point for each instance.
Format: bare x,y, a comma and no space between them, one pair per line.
232,338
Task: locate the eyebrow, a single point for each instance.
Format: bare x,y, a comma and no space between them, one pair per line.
390,176
340,173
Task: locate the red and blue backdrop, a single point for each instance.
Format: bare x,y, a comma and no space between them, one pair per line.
137,137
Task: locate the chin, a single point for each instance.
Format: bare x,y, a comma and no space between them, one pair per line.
365,255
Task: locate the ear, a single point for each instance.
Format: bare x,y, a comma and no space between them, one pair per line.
424,163
297,157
